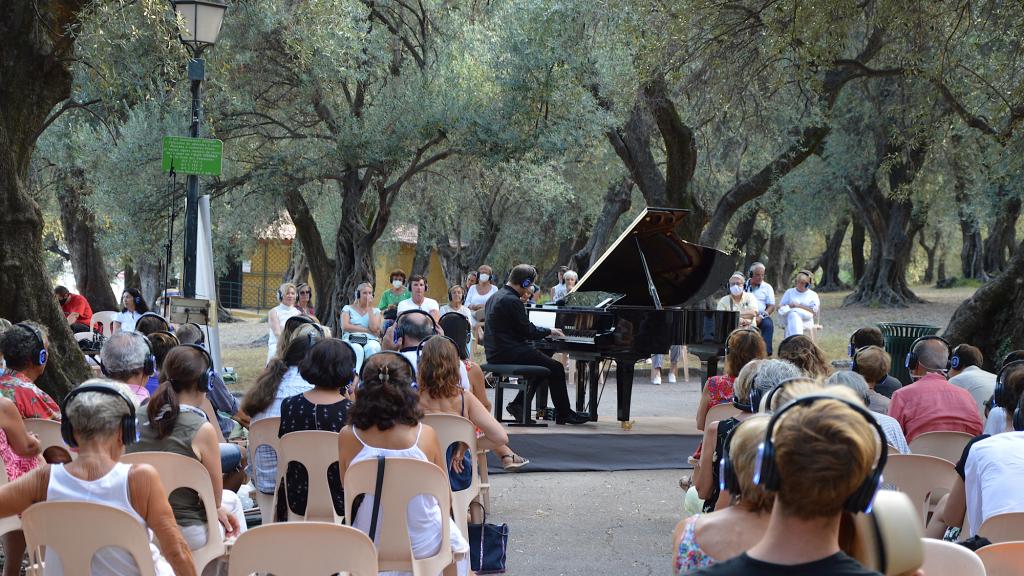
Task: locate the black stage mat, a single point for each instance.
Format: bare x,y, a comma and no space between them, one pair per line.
599,452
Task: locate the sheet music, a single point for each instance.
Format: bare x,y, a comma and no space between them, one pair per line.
543,319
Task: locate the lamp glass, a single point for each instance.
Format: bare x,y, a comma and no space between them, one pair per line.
202,21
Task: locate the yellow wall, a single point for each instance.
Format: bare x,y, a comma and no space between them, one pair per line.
386,261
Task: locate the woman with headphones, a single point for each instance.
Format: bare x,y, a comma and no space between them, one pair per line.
305,300
360,324
174,422
799,305
278,315
133,306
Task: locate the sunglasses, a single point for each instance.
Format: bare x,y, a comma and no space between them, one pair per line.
305,292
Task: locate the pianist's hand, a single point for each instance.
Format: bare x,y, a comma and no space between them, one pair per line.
557,332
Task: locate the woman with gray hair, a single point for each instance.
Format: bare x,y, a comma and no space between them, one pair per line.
854,381
101,420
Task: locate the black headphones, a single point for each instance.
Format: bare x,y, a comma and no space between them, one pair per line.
359,288
912,361
853,366
204,384
851,350
399,332
412,369
67,431
303,319
167,325
1012,357
1001,395
771,393
165,333
39,355
425,340
202,335
727,477
148,365
766,473
753,399
750,329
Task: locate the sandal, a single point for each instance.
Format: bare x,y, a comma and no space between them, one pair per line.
513,461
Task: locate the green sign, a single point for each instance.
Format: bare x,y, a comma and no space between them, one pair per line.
193,155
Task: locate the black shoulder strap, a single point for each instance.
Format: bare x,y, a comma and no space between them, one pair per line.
377,497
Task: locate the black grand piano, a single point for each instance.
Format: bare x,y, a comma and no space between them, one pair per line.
639,299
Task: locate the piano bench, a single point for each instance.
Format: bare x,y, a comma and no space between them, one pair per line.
523,373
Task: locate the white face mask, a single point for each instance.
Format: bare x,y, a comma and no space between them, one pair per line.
397,283
736,289
483,277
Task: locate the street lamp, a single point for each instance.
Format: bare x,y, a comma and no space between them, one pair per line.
202,20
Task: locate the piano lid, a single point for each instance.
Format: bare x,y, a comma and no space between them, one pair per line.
681,272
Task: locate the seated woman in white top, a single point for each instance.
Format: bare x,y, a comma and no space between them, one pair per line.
279,380
360,324
456,304
799,305
133,306
278,315
477,296
385,421
96,411
739,301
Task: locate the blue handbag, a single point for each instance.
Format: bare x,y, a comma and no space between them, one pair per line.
487,547
459,481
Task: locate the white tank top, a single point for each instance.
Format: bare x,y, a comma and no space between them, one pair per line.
111,490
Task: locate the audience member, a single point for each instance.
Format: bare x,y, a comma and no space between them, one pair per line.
385,421
787,390
20,453
161,343
931,403
441,392
278,315
854,381
872,336
305,300
127,357
407,336
361,324
330,368
765,295
560,286
819,457
477,382
566,286
151,322
703,539
658,362
477,297
471,280
1000,417
133,306
799,305
965,371
873,363
224,403
280,379
76,309
396,292
5,325
739,301
97,414
743,346
805,355
419,300
455,303
25,350
174,422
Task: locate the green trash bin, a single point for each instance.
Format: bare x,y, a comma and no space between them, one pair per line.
898,337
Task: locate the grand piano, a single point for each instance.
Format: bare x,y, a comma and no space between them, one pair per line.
641,297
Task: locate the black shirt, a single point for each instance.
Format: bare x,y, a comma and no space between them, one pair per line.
888,386
508,326
838,564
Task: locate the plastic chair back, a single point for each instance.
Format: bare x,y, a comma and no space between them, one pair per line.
177,471
316,450
888,539
1006,527
1003,559
949,559
49,435
10,523
263,432
105,319
720,412
76,530
450,429
946,445
919,477
403,479
303,548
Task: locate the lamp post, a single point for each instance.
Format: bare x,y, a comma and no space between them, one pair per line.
201,26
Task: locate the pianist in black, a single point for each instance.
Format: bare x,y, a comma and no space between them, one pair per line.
508,337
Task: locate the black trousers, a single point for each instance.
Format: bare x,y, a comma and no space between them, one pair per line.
556,381
78,327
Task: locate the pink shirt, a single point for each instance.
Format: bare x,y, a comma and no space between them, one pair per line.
932,404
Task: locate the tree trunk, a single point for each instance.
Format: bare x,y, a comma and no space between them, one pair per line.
990,318
149,280
35,52
828,261
298,269
930,253
743,235
971,263
87,260
857,250
421,258
321,268
884,282
617,201
777,274
1002,235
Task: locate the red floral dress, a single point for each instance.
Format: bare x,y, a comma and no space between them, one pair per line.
30,400
719,391
15,465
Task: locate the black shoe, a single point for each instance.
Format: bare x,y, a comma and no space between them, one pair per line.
516,410
573,418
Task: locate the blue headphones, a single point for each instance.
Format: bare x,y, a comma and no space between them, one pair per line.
912,360
399,332
40,354
204,384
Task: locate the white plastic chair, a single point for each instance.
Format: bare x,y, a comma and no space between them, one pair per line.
49,434
949,559
450,429
264,433
105,319
1003,559
316,450
10,523
947,445
720,412
920,477
1006,527
303,548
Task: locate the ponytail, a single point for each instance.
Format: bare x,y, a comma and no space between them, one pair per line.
163,409
262,394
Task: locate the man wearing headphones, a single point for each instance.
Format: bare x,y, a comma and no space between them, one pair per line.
24,347
507,341
419,300
127,357
765,295
965,371
931,403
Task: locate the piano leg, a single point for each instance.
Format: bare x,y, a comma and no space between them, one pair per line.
623,388
582,368
594,375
